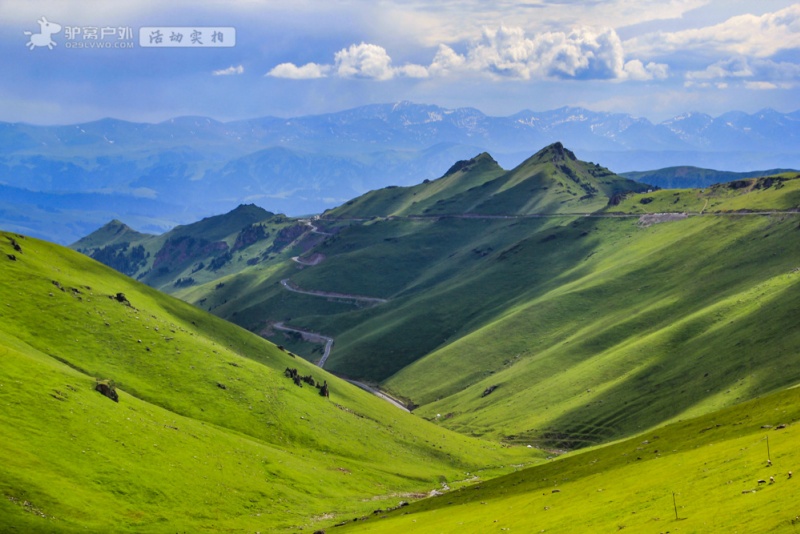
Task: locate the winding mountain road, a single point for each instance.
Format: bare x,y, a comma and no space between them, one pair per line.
319,338
311,337
377,393
314,259
291,286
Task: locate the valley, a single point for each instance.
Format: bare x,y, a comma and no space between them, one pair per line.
547,326
556,284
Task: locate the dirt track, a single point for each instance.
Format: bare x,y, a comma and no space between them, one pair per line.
313,338
289,285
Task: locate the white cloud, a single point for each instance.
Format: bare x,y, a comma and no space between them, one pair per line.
760,86
500,53
751,73
364,61
412,71
453,21
446,61
239,69
749,35
636,70
729,68
583,53
309,71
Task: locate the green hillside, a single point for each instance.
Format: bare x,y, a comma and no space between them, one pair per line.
505,306
684,177
592,328
700,475
551,181
208,434
778,192
650,324
197,253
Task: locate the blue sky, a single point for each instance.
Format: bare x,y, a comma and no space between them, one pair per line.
650,58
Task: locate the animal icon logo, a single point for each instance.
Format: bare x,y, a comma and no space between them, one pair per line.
43,38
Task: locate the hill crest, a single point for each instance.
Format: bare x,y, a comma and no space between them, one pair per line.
553,180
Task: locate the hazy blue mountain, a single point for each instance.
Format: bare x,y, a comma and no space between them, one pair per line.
190,167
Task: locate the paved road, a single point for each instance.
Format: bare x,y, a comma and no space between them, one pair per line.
286,283
313,338
314,259
314,229
378,394
610,215
318,338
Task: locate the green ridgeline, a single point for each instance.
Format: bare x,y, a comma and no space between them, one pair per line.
208,434
195,254
551,181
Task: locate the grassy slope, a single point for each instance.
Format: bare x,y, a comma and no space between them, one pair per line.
178,452
780,192
711,463
628,337
693,177
421,198
550,308
112,233
550,181
191,258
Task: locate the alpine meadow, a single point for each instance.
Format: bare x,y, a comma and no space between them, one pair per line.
556,320
400,267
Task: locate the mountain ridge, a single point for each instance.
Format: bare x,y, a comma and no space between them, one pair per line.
550,181
304,165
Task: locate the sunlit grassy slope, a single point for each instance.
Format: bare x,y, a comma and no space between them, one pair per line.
592,328
711,464
650,324
779,192
208,434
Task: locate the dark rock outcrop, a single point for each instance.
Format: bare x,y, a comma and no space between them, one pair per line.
107,388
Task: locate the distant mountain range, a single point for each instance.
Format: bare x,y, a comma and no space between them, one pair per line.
158,175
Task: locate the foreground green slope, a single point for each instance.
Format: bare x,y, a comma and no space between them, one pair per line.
208,434
712,465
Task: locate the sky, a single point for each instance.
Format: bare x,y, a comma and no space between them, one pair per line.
86,60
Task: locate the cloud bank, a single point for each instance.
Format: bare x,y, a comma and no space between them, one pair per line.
500,53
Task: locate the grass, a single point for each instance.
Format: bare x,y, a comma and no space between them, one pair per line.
548,308
647,330
193,255
579,321
593,328
550,181
712,464
179,451
780,192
